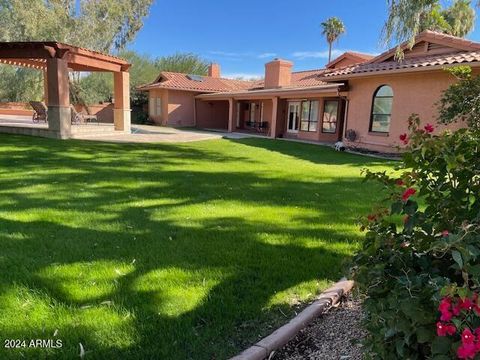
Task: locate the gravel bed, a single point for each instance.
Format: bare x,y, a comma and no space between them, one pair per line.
335,335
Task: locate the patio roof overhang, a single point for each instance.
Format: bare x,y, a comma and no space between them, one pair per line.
34,54
322,90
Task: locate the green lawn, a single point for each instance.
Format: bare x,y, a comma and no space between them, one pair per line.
154,251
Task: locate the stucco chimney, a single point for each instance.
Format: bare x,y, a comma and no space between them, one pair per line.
278,73
214,70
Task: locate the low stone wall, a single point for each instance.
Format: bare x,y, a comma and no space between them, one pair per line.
16,108
30,131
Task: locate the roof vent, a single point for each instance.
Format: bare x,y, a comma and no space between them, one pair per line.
195,78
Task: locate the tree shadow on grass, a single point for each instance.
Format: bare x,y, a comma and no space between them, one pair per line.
107,257
317,154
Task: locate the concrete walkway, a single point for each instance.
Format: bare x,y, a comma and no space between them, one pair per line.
153,134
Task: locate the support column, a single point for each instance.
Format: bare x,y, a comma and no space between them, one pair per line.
45,87
273,128
59,114
231,115
121,95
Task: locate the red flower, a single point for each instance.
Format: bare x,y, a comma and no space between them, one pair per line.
467,351
467,337
409,192
445,233
445,304
456,310
429,128
462,305
466,304
404,138
372,217
445,329
446,316
399,182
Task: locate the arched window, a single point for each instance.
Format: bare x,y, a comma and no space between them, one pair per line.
381,109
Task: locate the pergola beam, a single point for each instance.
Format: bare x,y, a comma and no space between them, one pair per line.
78,59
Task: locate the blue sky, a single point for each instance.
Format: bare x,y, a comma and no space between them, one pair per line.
243,35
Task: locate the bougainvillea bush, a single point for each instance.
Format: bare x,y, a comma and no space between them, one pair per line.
420,262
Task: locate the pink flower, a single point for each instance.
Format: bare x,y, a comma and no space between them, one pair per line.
409,192
445,233
445,329
404,138
429,128
467,351
467,337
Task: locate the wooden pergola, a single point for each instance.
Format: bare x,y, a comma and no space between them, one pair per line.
56,60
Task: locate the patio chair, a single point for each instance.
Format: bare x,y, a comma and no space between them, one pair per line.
40,111
79,118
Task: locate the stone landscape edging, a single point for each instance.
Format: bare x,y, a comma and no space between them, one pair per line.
280,337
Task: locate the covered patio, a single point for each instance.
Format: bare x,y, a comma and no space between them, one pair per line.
56,60
311,113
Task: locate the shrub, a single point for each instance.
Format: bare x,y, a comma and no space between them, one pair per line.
424,246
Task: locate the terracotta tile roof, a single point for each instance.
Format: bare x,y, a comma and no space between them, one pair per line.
307,78
356,57
362,56
458,43
419,62
172,80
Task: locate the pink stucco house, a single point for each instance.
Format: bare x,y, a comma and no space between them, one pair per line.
362,100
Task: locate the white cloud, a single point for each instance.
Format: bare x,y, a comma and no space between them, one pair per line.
267,55
302,55
244,76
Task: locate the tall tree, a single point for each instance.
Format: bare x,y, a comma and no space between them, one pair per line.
186,63
332,28
103,25
407,18
461,17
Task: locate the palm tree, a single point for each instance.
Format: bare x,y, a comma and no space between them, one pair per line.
332,28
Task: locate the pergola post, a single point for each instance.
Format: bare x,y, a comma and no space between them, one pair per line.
230,115
45,86
59,114
273,129
121,95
